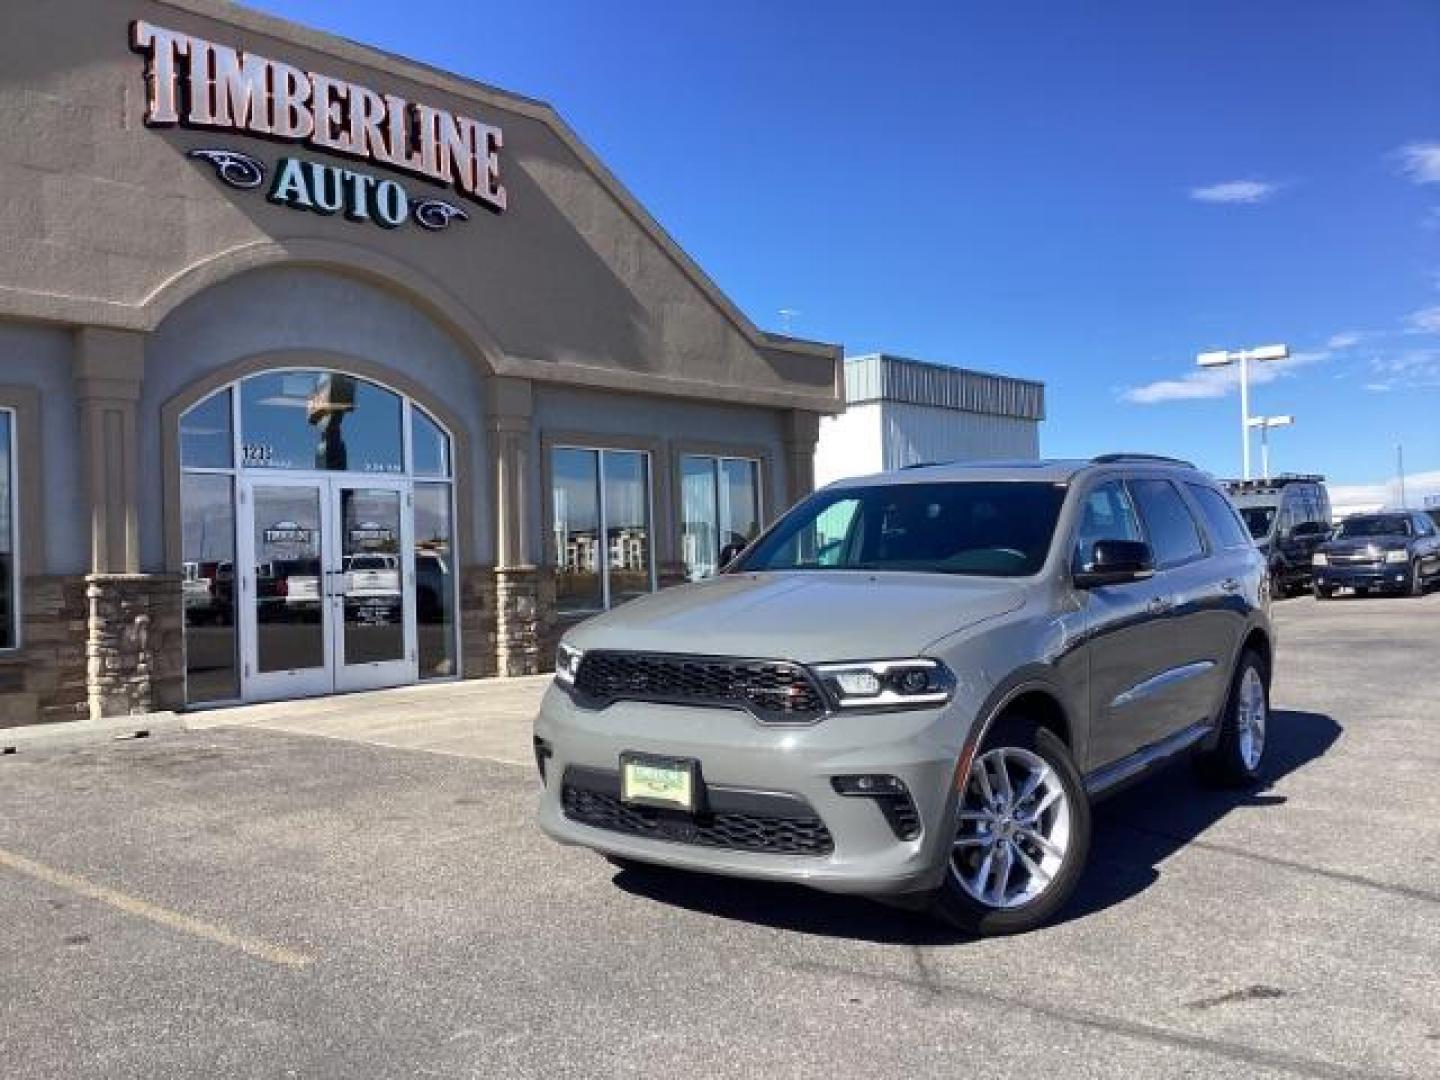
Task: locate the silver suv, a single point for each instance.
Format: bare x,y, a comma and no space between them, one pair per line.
914,684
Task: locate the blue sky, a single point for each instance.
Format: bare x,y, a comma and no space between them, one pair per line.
1087,194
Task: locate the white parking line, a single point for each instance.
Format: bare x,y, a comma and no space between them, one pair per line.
143,909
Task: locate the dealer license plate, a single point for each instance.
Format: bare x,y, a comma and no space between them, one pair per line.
658,781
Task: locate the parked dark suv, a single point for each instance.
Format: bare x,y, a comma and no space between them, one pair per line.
1391,551
1289,517
913,685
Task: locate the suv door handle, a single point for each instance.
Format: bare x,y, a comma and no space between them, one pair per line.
1159,605
1230,584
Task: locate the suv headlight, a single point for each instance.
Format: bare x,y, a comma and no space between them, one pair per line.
1319,559
567,663
887,684
1397,555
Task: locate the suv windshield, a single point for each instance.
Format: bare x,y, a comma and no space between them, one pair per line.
1258,520
1381,525
962,527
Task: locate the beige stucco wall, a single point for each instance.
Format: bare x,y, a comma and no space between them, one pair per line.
107,222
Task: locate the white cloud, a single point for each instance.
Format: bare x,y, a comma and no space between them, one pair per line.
1420,162
1425,321
1353,498
1344,341
1235,191
1414,369
1207,383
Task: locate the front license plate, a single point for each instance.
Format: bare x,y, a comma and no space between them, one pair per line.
658,781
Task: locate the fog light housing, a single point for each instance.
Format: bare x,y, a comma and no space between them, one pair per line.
889,793
567,664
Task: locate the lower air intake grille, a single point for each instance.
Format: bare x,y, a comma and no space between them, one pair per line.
737,831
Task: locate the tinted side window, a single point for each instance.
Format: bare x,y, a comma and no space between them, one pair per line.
1106,515
1224,527
1423,526
1174,536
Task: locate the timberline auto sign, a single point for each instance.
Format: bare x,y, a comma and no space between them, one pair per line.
200,84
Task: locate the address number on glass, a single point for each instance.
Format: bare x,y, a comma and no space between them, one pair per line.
257,454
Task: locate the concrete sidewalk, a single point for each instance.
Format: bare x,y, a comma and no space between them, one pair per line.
477,718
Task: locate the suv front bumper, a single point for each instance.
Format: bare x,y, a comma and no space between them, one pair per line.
766,784
1364,576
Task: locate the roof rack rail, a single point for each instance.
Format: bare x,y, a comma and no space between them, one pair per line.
1271,483
1156,459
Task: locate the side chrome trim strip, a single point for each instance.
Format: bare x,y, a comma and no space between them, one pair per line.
1156,683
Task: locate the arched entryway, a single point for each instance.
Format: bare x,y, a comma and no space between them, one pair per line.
317,537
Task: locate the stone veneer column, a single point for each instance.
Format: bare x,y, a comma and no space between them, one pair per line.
801,431
519,613
134,631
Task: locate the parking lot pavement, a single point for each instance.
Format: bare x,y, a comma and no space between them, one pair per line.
252,902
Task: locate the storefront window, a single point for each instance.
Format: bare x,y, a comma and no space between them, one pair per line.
720,508
208,544
268,551
434,581
319,420
207,440
601,542
9,636
429,445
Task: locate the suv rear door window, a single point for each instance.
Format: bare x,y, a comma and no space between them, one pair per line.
1174,536
1225,528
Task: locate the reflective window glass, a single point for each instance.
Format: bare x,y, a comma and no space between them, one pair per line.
1174,536
739,502
319,420
434,581
207,530
8,568
719,509
576,539
1225,528
429,445
206,439
626,479
699,543
1106,515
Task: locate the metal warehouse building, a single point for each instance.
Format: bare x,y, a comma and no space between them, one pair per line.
321,369
904,412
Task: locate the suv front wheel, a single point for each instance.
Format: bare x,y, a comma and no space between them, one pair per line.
1022,833
1239,755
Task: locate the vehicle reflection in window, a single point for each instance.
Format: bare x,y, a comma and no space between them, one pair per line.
319,420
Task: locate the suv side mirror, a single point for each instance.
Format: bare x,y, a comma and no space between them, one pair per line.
1308,528
1115,562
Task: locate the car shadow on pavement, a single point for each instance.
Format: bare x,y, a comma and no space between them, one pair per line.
1135,831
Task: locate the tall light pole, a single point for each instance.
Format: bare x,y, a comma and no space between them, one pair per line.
1243,357
1265,423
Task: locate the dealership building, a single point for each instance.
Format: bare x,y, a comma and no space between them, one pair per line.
321,370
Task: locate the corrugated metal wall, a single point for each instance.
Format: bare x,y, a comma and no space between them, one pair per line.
924,433
893,378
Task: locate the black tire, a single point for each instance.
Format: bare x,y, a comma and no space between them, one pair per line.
1417,580
1226,765
953,904
1323,592
1278,589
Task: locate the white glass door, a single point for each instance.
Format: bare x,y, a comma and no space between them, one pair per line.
286,640
371,584
327,586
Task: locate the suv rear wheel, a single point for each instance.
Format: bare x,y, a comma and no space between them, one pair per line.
1022,833
1239,755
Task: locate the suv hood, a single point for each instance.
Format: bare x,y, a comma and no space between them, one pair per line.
809,616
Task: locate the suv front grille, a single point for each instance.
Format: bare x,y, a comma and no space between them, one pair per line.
775,691
737,831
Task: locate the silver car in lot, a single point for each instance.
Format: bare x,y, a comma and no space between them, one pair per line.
913,685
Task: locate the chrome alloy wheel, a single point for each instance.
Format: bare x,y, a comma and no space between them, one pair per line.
1014,828
1250,719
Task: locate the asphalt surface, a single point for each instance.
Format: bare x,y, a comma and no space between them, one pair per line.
241,902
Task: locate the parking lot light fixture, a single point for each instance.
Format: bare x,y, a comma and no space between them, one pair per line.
1243,357
1265,423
